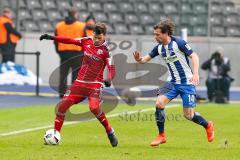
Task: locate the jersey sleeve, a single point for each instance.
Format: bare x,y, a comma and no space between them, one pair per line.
67,40
184,47
154,52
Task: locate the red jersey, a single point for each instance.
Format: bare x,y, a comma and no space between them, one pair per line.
95,59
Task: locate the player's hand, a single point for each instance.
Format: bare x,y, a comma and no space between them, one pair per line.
195,79
107,83
137,56
46,36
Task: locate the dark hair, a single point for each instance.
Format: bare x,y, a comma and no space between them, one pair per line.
90,17
72,11
100,28
166,26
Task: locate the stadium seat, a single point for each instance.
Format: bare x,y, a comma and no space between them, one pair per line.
54,15
218,31
148,29
24,14
231,20
229,8
141,8
198,20
131,18
110,29
170,8
121,29
39,14
216,20
80,5
22,4
30,26
63,5
126,7
45,26
136,29
100,17
33,4
94,6
200,8
175,18
110,7
49,4
146,19
5,3
216,8
185,19
155,7
83,15
186,8
200,30
189,29
233,31
115,17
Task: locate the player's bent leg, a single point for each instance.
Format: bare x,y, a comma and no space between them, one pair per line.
94,105
161,102
198,119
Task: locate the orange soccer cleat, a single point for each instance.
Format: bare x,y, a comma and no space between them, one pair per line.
210,131
159,140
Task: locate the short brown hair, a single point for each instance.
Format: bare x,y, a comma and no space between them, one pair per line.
100,28
166,26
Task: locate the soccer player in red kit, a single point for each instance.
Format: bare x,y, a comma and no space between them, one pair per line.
90,77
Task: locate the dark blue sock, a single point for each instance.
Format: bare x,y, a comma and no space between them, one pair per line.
160,119
197,118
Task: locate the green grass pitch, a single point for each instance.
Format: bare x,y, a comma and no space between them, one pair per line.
88,141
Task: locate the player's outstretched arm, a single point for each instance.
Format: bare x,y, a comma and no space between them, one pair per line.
61,39
195,63
139,59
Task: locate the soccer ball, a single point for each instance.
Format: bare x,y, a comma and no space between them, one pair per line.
52,137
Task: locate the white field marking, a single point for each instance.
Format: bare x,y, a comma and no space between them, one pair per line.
76,122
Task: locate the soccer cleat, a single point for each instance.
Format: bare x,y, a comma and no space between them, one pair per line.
113,139
210,131
159,140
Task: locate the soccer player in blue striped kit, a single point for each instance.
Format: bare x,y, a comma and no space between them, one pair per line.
182,79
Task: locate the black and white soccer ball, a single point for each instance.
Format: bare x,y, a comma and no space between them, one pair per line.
52,137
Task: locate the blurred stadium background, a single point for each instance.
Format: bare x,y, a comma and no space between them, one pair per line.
210,24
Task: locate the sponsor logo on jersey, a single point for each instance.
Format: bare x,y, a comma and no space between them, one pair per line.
99,51
170,59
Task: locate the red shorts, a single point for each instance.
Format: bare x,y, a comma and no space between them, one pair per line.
79,91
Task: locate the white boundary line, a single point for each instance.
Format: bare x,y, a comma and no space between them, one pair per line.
76,122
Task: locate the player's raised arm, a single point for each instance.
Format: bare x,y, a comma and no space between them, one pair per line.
61,39
141,59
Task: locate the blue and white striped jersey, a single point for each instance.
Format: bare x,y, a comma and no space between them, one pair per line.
175,54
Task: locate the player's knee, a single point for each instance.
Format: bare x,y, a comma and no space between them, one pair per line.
188,116
63,106
95,110
160,104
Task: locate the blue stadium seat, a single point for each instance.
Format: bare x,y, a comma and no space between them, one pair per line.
80,5
45,26
33,4
121,29
136,29
115,17
49,4
218,31
63,5
110,7
131,18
